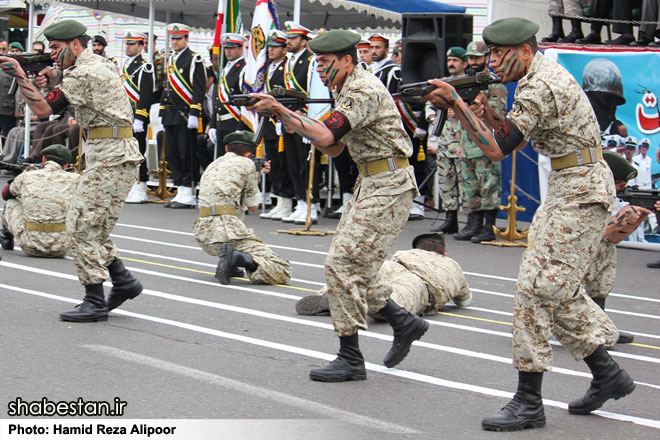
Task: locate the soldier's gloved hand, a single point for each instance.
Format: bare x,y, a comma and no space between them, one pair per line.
213,135
420,133
279,129
193,122
138,126
306,141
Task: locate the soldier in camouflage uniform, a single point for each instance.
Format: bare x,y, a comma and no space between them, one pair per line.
37,202
366,121
552,111
565,7
228,184
481,177
421,280
91,85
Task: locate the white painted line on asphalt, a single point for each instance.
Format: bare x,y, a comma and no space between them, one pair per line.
251,390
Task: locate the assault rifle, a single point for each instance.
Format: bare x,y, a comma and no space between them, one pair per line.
467,87
292,99
645,198
32,64
18,168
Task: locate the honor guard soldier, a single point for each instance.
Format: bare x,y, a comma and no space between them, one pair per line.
298,72
36,206
91,85
365,120
227,117
180,109
137,75
228,184
364,52
281,185
552,111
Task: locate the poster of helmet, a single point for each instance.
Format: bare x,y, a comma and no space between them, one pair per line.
623,88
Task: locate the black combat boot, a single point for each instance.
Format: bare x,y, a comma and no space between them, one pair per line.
92,309
124,285
557,31
525,409
609,382
349,364
450,226
229,259
576,32
407,328
486,233
624,338
6,240
473,226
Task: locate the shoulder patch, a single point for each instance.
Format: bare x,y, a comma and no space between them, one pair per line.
516,109
347,104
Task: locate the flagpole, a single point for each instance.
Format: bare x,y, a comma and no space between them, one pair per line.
296,11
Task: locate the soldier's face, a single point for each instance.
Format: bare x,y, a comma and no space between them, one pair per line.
233,53
365,54
295,44
4,47
179,44
378,50
62,53
478,64
510,63
332,69
276,53
455,66
133,49
98,48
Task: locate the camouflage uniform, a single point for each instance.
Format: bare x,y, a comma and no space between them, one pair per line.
448,157
481,177
420,281
599,280
381,202
231,180
93,87
44,198
566,229
568,7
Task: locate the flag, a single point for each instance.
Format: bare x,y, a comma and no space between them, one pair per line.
254,80
228,20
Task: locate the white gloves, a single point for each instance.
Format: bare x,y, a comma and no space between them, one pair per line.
193,122
420,133
306,141
160,121
138,126
213,135
279,129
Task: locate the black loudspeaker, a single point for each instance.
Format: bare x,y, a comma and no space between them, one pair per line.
426,39
4,28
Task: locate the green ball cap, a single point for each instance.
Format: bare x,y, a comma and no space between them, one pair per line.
65,30
57,152
509,31
431,236
457,52
334,41
240,137
621,168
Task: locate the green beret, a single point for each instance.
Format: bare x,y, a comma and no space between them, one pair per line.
17,45
240,137
621,168
334,41
65,30
431,236
457,52
57,152
509,31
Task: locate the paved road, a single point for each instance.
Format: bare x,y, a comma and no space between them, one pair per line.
189,348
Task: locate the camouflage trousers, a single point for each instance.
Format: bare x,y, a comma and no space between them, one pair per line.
92,216
406,289
365,234
272,269
599,280
33,243
448,169
549,298
568,7
481,183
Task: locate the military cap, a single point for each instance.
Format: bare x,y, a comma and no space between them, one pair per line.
631,143
456,52
100,40
57,152
65,30
509,31
363,44
16,45
476,49
378,37
399,42
622,169
294,30
277,39
178,30
233,40
431,236
645,143
135,37
334,41
240,137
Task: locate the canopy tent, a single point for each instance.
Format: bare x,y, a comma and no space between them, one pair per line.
315,14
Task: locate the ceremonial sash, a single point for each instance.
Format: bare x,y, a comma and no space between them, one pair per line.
223,94
408,116
290,79
132,89
178,82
